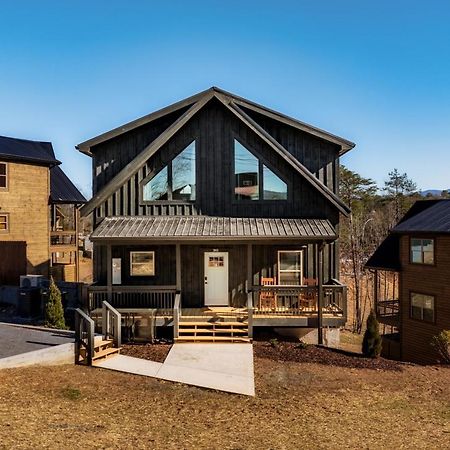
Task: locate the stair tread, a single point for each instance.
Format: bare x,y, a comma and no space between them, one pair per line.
103,343
208,330
213,338
106,352
220,324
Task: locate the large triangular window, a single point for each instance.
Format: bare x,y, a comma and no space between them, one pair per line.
253,179
176,181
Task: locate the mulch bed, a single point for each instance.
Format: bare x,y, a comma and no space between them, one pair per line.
153,352
298,352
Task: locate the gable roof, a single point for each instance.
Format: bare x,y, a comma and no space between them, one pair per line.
23,150
140,160
346,145
387,255
62,190
431,217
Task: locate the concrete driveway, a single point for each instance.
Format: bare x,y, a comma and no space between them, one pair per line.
224,367
18,339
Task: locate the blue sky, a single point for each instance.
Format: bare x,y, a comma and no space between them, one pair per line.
377,73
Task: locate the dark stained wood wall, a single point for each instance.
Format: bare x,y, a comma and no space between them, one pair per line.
434,280
13,261
214,129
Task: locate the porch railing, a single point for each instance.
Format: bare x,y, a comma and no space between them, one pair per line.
157,297
388,309
176,315
301,300
84,338
111,324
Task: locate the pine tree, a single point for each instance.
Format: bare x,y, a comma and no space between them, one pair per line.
54,312
371,346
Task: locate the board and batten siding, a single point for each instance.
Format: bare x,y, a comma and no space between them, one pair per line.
26,203
214,129
433,280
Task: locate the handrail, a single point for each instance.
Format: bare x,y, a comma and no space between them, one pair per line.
111,324
176,314
134,288
84,336
250,313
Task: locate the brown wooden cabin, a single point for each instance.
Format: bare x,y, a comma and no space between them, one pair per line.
231,205
412,282
38,213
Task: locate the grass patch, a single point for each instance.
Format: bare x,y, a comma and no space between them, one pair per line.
71,393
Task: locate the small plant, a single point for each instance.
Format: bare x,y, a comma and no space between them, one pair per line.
441,343
371,345
71,393
302,345
274,342
54,312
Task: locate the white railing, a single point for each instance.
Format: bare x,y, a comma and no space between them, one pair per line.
176,315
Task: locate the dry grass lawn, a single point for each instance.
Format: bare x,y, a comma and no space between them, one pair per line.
298,405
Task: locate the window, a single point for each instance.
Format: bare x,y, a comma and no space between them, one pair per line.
422,307
142,264
3,176
4,223
247,173
176,181
422,251
215,261
290,267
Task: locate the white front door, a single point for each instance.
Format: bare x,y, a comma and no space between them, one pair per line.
216,278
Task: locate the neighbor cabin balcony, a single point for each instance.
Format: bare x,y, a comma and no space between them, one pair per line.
388,312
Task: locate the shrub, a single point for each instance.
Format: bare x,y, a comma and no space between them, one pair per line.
441,343
54,312
371,345
274,342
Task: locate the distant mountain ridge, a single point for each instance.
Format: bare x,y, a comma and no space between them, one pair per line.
434,192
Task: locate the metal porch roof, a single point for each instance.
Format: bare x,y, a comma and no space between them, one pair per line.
211,228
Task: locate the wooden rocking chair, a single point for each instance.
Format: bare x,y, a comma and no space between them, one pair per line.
308,299
267,299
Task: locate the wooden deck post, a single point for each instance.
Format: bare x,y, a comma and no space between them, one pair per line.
319,253
76,218
178,266
375,292
109,272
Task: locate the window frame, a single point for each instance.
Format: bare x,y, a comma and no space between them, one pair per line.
290,271
411,293
422,263
133,252
6,230
168,165
261,163
6,175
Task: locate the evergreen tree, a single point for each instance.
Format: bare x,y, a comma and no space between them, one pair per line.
54,312
400,190
371,346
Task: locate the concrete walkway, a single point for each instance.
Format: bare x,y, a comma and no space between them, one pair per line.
224,367
18,339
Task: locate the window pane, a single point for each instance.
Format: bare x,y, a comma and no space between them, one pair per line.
274,187
290,260
428,315
157,187
142,263
183,174
2,169
2,181
246,167
3,223
416,313
416,300
291,278
428,251
416,256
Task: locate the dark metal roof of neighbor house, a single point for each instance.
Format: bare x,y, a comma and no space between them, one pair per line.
215,228
13,149
387,255
433,219
62,190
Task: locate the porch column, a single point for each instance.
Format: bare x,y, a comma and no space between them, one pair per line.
178,266
375,292
249,267
76,218
319,248
109,272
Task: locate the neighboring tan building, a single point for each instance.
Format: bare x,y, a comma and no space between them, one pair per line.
33,190
417,255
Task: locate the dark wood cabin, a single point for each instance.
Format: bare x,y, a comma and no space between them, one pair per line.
225,202
412,282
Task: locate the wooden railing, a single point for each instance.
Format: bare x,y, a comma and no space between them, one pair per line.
84,338
176,315
111,324
158,297
388,309
301,300
61,241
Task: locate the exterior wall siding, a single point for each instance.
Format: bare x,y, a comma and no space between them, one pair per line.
26,202
433,280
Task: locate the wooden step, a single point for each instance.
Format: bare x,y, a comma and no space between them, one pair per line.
213,339
209,324
103,344
104,353
208,330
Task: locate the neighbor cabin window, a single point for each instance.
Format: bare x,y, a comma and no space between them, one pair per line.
176,181
4,223
290,267
142,264
422,251
3,176
422,307
248,184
